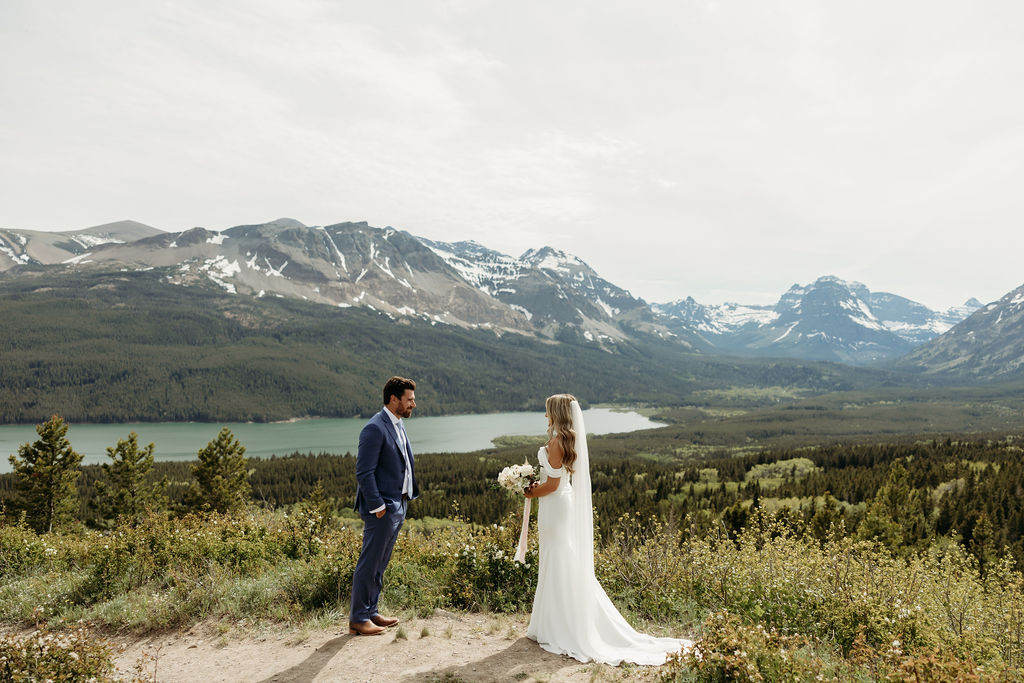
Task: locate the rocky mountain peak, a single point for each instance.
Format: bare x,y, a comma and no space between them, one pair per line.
549,258
826,294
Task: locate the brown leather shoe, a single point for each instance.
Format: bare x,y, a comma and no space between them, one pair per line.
386,622
364,628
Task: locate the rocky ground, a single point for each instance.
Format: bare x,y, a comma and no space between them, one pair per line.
445,647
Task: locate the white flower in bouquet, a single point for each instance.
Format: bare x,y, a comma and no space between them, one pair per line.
517,477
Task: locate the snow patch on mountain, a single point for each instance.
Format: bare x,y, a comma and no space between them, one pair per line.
17,258
785,334
219,269
609,311
78,259
902,327
275,272
337,251
489,271
733,316
528,314
386,267
91,241
547,258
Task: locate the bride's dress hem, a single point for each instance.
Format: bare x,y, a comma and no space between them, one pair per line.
584,659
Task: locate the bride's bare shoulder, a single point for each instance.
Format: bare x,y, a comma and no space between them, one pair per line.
555,453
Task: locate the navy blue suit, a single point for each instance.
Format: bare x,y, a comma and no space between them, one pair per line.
380,473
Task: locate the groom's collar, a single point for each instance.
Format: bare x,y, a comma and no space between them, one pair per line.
394,419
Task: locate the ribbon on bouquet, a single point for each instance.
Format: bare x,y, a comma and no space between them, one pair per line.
521,548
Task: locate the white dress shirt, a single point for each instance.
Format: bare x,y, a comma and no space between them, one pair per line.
403,443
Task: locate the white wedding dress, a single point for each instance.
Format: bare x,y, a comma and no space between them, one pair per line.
572,615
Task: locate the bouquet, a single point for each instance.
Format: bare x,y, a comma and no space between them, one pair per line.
516,478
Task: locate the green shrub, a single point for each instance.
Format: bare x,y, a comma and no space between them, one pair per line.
485,575
24,552
730,650
891,663
323,581
44,655
643,568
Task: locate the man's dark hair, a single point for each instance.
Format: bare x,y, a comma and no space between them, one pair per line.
396,387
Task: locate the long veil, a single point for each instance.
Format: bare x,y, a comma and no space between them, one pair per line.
583,505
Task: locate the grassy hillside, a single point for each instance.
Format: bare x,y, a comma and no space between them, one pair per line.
107,347
770,604
869,560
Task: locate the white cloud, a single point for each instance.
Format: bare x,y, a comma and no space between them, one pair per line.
712,150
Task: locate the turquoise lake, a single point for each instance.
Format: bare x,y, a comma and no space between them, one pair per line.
183,440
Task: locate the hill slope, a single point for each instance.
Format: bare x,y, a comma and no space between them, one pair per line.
100,347
989,345
21,247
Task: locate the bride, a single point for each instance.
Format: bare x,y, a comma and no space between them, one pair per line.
572,614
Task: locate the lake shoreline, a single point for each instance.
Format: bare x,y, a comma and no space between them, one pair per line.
429,434
641,409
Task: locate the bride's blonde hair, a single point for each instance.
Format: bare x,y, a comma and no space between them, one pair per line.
559,410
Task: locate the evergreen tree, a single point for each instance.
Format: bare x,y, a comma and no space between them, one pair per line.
828,519
735,518
896,517
128,491
46,473
982,544
222,477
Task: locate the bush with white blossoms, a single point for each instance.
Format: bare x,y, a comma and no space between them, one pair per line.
486,575
71,655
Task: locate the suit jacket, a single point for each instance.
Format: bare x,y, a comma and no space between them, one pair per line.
380,467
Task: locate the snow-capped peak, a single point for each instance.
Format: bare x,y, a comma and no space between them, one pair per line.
549,258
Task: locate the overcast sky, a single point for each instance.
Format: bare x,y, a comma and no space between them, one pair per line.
720,150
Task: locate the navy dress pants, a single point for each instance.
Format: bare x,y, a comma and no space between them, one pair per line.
379,535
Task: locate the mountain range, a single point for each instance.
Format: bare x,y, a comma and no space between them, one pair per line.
829,319
543,293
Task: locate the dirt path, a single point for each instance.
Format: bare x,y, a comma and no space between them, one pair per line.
445,648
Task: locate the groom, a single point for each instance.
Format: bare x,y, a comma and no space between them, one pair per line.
384,471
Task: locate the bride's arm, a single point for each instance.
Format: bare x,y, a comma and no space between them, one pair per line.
555,460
